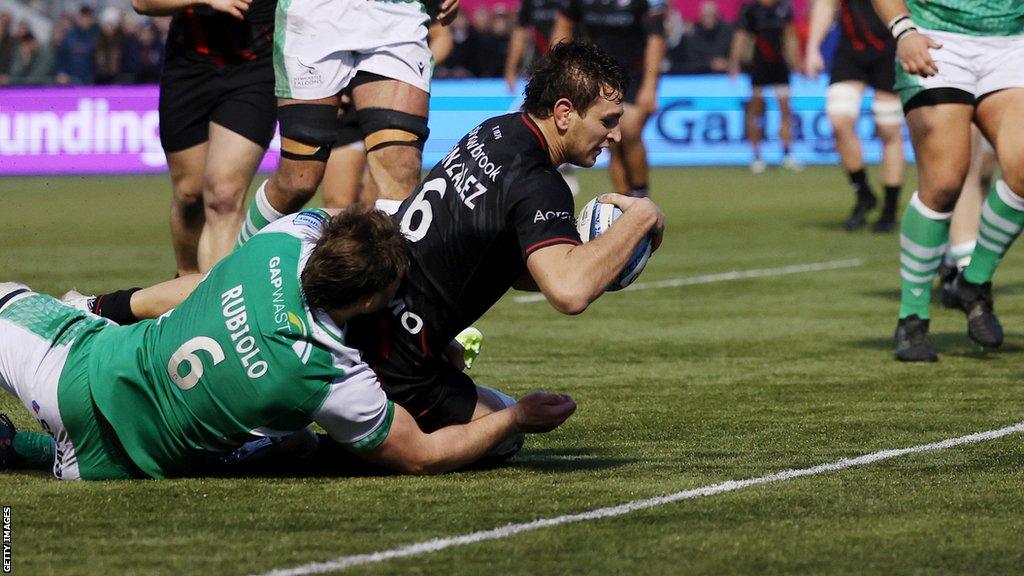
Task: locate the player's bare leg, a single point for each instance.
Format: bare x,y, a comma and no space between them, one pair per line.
632,152
231,163
786,129
941,135
617,169
344,177
752,119
963,227
295,182
186,169
888,122
1002,217
843,106
395,169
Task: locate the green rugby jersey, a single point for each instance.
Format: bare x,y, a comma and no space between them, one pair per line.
972,17
242,357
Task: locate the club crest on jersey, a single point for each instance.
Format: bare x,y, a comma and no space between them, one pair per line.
301,347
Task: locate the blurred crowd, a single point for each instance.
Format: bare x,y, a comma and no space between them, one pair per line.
110,47
114,46
481,41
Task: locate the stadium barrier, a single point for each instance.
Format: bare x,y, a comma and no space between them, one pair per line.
105,130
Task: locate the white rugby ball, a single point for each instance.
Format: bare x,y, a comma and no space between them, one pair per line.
593,220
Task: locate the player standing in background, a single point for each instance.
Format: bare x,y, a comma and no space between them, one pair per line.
959,62
345,180
765,33
539,17
377,49
866,56
217,115
257,350
632,32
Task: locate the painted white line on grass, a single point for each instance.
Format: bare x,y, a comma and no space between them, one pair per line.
725,277
512,529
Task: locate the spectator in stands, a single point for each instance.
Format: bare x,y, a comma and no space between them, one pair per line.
465,47
144,55
76,56
109,47
8,45
33,63
676,31
707,48
494,44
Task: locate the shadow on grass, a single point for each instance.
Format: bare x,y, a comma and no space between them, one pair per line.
893,294
333,461
565,460
955,344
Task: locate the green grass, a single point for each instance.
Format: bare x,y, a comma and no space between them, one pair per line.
678,388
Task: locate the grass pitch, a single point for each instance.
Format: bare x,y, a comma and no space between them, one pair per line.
678,388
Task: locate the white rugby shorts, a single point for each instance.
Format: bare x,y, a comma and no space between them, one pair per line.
320,45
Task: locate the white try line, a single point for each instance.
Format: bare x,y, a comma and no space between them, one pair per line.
513,529
725,277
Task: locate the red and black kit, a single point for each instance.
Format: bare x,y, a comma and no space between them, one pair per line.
472,223
218,69
866,51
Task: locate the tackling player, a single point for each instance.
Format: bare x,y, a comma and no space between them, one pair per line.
217,115
959,62
257,350
865,57
633,32
765,29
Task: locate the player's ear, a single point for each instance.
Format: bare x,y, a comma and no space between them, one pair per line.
563,111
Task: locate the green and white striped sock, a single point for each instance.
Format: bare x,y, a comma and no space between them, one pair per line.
923,236
1002,218
260,214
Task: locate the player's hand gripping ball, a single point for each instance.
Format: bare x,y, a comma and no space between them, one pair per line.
594,220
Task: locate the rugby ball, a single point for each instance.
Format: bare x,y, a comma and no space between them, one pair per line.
593,220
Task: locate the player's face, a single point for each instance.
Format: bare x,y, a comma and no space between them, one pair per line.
594,130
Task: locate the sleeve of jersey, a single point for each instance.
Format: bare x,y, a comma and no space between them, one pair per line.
356,412
543,214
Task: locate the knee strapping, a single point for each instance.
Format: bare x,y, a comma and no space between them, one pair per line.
843,99
887,112
308,131
382,127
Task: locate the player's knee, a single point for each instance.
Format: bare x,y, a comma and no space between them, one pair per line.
187,190
1013,175
295,186
223,194
888,114
383,128
308,131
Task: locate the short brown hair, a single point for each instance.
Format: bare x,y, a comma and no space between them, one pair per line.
578,71
361,252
